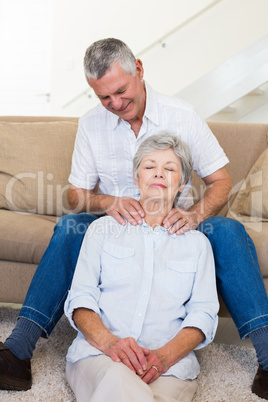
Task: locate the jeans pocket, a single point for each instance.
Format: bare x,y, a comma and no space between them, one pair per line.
180,278
116,262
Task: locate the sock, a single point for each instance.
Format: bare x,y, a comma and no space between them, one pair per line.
23,338
259,338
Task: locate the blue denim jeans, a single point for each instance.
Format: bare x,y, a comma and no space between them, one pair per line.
239,279
238,274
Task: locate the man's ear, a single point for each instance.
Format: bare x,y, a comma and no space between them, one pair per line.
135,181
139,69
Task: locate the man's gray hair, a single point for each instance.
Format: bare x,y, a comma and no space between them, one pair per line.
163,141
102,54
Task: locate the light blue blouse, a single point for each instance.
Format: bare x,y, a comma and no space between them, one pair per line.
145,284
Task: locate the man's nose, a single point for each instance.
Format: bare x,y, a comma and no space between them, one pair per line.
116,103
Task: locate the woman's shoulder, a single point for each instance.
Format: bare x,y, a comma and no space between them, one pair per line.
104,221
103,225
197,237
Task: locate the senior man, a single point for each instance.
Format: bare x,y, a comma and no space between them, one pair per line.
108,136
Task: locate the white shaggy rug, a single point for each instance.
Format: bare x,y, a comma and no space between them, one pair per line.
226,375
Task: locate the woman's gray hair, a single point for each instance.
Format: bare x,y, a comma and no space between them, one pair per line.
102,54
163,141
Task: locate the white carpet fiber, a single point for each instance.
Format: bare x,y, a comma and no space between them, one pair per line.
226,375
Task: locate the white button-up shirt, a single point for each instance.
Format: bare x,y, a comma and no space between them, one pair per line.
145,284
105,145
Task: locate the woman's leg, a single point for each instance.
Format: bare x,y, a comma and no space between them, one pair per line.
172,389
99,379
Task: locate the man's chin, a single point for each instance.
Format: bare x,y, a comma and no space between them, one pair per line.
125,114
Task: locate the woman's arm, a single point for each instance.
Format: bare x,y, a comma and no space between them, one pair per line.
199,326
124,350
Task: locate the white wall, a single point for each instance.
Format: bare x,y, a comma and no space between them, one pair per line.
78,24
206,42
258,116
231,81
198,35
25,56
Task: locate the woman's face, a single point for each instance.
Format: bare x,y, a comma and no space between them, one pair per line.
159,175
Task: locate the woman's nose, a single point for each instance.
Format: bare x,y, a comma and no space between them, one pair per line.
159,173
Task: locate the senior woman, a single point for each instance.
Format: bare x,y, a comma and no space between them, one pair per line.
141,299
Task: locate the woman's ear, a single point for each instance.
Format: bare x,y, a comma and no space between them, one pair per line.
181,188
135,180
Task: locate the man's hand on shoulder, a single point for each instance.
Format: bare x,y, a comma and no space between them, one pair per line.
128,208
180,221
81,200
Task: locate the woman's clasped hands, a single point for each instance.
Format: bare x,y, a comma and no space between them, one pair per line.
147,364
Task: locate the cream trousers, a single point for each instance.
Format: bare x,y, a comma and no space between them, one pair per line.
99,379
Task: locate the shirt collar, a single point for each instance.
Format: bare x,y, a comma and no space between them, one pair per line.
151,110
114,119
157,229
146,228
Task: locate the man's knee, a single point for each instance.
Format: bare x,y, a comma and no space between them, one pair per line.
222,227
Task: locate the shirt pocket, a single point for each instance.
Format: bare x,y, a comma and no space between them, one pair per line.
116,262
180,278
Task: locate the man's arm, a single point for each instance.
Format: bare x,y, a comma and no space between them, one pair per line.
81,200
218,186
124,350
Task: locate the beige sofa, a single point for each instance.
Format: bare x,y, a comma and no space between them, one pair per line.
35,161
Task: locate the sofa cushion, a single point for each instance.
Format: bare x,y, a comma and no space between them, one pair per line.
15,280
259,234
251,202
35,162
24,237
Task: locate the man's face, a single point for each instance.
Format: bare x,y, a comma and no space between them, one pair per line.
121,93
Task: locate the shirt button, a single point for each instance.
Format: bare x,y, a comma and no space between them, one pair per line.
139,315
145,293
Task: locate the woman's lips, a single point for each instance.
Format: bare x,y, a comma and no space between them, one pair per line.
158,185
